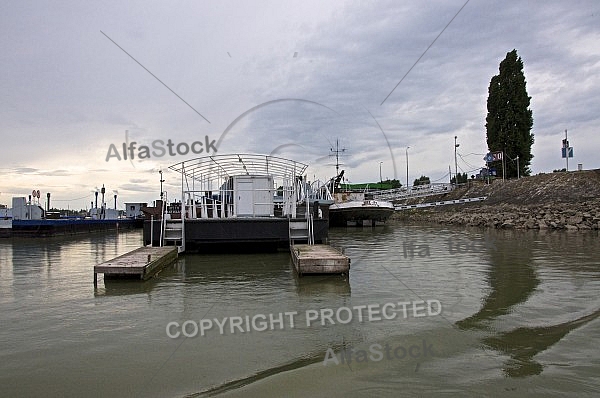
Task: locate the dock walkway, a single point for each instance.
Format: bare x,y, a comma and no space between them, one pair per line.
143,262
319,259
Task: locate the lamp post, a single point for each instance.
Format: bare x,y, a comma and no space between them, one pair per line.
161,186
566,141
380,178
455,162
407,167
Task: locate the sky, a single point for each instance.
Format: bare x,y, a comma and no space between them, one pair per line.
283,78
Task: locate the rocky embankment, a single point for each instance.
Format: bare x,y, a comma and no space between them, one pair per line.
562,201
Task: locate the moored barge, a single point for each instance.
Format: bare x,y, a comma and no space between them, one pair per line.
237,202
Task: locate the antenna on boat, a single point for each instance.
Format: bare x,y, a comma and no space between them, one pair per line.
337,151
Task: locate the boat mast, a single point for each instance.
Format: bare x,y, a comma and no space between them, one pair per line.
337,152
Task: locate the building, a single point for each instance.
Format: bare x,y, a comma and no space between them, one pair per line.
134,210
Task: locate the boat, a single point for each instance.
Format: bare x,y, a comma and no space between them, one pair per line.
354,208
360,212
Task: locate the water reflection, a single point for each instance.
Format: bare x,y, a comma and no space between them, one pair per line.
524,343
512,279
123,287
211,268
336,285
34,256
305,360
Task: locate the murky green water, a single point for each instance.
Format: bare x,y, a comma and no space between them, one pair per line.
519,318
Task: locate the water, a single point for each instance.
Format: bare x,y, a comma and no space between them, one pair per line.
519,317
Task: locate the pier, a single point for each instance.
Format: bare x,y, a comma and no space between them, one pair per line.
319,259
142,263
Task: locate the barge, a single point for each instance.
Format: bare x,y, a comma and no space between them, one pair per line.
28,219
47,228
237,202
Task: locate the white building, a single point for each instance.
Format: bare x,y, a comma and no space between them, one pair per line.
22,210
134,210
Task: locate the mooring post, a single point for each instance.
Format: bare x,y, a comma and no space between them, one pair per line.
149,255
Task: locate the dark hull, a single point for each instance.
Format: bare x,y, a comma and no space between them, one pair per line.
359,216
47,228
237,234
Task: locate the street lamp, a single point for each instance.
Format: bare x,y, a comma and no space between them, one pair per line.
455,162
407,167
380,178
161,186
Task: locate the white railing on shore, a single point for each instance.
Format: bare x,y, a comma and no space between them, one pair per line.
418,191
440,203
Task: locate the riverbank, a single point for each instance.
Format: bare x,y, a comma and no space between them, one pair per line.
562,201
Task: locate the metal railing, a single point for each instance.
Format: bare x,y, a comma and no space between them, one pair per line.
413,192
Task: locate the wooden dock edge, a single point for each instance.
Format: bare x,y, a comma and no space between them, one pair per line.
155,266
146,263
319,259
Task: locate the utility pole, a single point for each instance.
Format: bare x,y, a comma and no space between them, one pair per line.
407,167
455,162
503,168
380,178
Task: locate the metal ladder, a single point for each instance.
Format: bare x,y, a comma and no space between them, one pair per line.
302,230
172,232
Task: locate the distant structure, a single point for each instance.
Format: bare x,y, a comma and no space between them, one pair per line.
134,209
26,210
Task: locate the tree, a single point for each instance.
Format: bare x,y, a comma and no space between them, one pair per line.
392,183
509,119
462,178
423,180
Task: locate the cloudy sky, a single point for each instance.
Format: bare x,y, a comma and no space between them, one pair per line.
287,78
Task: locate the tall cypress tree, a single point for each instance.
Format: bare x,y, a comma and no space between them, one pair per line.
509,119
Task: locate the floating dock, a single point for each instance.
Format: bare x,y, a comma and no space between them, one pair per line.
319,259
142,263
